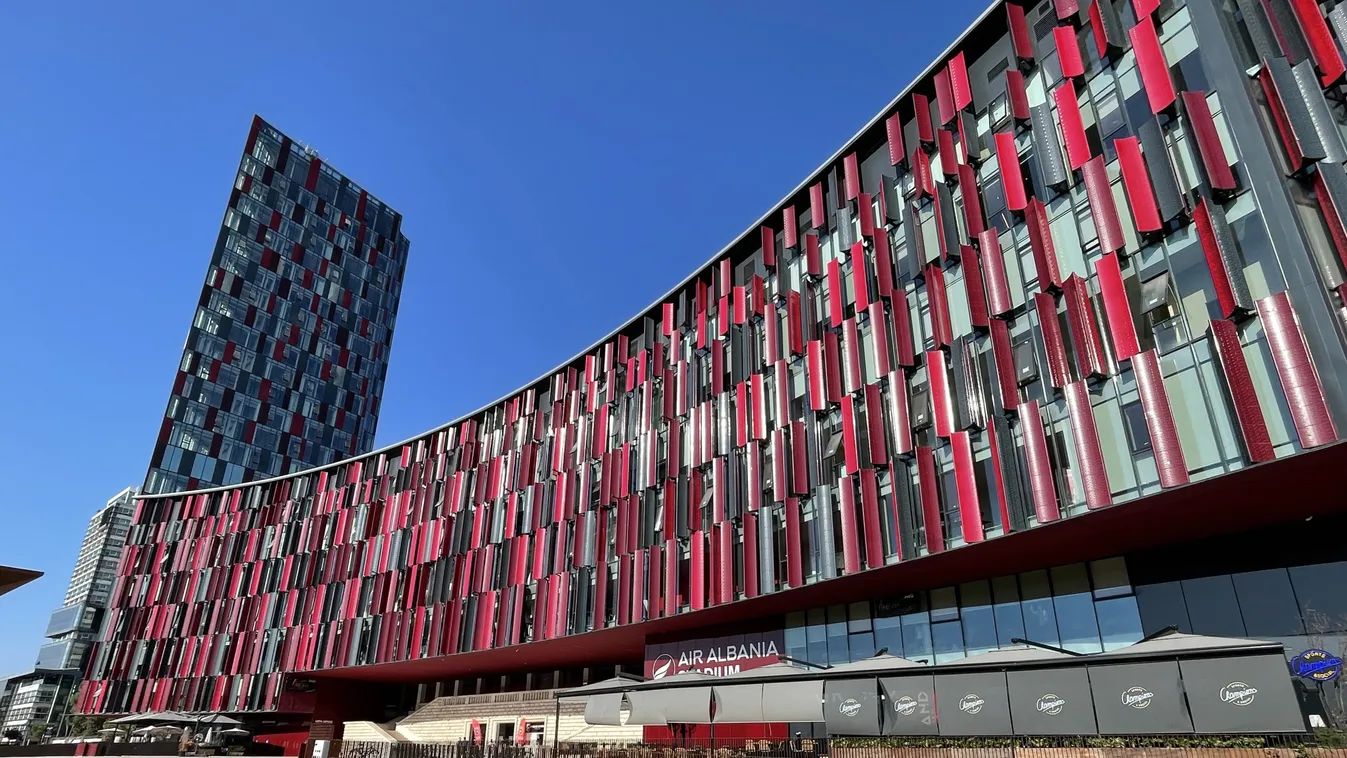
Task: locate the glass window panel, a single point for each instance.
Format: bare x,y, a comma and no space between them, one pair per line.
1320,594
944,604
889,634
1268,604
1110,577
1009,619
979,620
1075,609
917,636
862,646
817,638
1119,622
837,634
947,638
1040,621
1212,606
858,617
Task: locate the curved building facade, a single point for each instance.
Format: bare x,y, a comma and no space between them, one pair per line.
1052,348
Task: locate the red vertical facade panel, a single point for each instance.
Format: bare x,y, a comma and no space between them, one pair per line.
958,82
874,543
750,555
942,333
1239,385
1089,348
851,173
1203,126
1068,51
1102,208
1221,276
697,570
1295,369
768,247
944,95
1058,372
893,128
1018,95
837,294
928,484
1066,9
942,407
1071,123
1169,460
1043,246
974,219
850,448
905,351
921,108
790,228
970,510
1093,474
1003,357
975,291
1012,181
816,212
1042,486
1137,183
994,273
1154,69
1323,49
1020,40
1116,308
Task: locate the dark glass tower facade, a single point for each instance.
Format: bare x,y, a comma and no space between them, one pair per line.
285,360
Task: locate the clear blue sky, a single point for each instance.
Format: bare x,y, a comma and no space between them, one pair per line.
558,165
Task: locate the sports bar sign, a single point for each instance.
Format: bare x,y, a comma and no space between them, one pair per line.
717,656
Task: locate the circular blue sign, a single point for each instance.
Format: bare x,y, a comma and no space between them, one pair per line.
1318,665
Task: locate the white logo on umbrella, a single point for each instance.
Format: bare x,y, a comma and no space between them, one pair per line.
1238,693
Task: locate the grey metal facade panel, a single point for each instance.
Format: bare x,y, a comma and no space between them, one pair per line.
973,704
851,707
1248,694
1012,485
1260,32
1317,110
1292,38
1329,265
909,705
767,553
1297,112
1048,146
827,558
1111,29
1168,198
950,235
1139,698
915,258
1223,259
1051,701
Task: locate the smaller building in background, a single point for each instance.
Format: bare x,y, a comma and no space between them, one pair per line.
42,694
